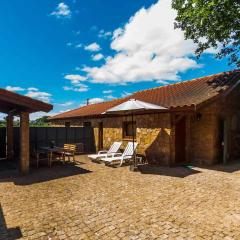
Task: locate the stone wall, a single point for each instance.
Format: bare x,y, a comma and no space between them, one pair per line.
156,136
204,135
153,134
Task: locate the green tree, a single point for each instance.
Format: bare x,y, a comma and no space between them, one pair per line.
3,123
40,122
210,23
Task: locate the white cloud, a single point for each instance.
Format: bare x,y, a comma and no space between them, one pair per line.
75,78
147,48
32,92
32,89
77,88
36,115
109,97
95,100
62,11
107,91
2,116
104,34
97,57
66,104
93,47
67,110
14,89
117,33
125,94
93,28
79,45
42,96
77,32
69,44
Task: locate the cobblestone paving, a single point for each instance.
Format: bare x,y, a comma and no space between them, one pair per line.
92,201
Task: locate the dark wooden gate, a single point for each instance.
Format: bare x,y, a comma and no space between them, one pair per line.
3,142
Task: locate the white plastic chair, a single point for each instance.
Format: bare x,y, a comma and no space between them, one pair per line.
104,153
122,157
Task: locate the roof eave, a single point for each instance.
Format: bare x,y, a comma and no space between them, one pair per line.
24,102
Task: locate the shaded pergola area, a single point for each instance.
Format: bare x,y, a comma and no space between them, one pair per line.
14,104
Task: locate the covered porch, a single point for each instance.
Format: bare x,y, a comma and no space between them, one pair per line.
14,104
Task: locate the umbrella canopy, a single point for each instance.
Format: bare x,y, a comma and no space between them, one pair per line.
133,105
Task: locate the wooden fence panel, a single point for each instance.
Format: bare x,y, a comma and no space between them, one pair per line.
3,143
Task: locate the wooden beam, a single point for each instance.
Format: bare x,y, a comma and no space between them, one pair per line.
23,103
10,137
24,142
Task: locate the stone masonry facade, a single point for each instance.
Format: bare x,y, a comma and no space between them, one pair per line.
155,133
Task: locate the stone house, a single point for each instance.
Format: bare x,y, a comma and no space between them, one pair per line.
201,124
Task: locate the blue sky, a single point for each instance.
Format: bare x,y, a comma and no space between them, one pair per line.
67,51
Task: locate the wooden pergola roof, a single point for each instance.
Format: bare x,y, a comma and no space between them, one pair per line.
15,103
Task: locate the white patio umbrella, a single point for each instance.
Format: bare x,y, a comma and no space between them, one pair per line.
130,107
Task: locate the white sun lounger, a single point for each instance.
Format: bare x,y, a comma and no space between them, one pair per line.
121,157
104,153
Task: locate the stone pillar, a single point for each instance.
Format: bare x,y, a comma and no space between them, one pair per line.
24,142
10,137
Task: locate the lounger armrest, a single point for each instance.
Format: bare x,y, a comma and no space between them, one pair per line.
102,152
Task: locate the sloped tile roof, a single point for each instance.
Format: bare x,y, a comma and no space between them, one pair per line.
13,101
89,110
182,94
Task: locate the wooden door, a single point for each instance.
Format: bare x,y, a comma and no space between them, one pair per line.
100,136
180,141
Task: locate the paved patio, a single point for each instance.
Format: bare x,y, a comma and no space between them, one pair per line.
92,201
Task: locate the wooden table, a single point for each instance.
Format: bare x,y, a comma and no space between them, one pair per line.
50,152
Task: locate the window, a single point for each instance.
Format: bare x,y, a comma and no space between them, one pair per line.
128,130
67,124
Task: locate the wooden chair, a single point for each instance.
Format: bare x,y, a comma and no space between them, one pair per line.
69,150
41,156
57,155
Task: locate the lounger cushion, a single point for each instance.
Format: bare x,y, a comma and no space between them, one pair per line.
115,158
95,156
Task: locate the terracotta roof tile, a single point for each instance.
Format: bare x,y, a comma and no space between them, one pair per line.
187,93
89,110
